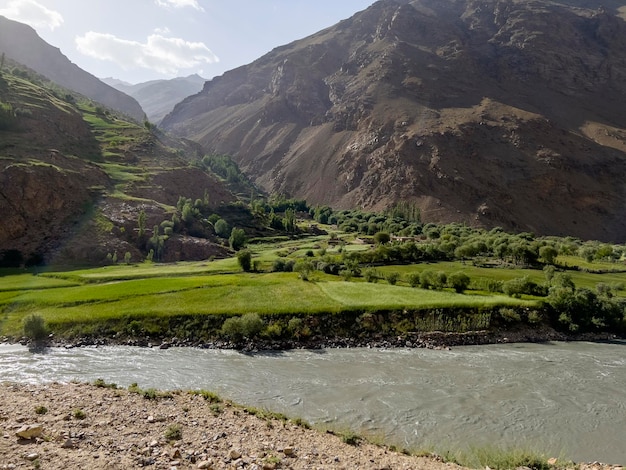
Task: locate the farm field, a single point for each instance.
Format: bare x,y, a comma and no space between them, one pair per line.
82,300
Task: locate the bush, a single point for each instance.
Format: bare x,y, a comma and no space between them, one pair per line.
244,258
251,324
247,326
521,285
173,433
237,239
35,327
392,278
459,281
297,328
414,279
278,265
381,238
304,268
221,228
370,275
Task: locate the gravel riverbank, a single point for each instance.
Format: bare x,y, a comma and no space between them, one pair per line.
82,426
89,427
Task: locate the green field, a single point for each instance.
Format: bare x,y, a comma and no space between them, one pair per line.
199,289
108,299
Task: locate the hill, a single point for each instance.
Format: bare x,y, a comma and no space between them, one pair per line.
158,97
21,43
80,183
491,113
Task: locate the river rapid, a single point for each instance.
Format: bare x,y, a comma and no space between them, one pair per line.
562,399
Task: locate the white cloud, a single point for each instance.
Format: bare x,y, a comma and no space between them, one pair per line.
180,4
159,53
32,13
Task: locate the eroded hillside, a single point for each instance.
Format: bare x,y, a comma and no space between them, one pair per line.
76,179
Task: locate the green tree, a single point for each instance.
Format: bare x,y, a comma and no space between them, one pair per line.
237,238
289,221
141,223
459,281
381,238
244,258
548,253
304,268
221,228
157,244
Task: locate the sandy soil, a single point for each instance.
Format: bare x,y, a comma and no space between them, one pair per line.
89,427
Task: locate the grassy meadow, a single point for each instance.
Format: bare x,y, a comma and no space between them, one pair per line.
148,296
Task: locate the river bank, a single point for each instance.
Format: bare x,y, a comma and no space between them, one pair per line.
428,340
76,426
84,426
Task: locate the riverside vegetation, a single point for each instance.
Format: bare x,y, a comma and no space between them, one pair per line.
336,274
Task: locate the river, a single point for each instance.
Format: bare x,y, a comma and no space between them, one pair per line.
563,399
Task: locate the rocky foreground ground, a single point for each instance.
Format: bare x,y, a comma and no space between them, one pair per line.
82,426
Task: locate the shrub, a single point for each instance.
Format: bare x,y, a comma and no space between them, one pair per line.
244,258
237,239
381,238
521,285
278,265
346,274
510,315
251,324
370,275
173,433
459,281
297,328
35,327
304,268
247,326
102,384
79,414
221,228
392,278
41,410
414,279
273,331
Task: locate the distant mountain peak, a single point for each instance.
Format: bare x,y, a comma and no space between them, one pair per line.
22,43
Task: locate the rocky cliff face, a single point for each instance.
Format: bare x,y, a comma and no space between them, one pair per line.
488,112
22,44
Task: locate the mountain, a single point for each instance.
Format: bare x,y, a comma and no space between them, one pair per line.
487,112
21,43
76,180
158,97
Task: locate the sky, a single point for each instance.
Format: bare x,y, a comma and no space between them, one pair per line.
141,40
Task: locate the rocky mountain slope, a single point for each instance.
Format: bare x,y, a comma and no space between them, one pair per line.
488,112
21,43
74,179
158,97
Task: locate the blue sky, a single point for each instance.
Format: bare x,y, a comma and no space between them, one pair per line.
141,40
